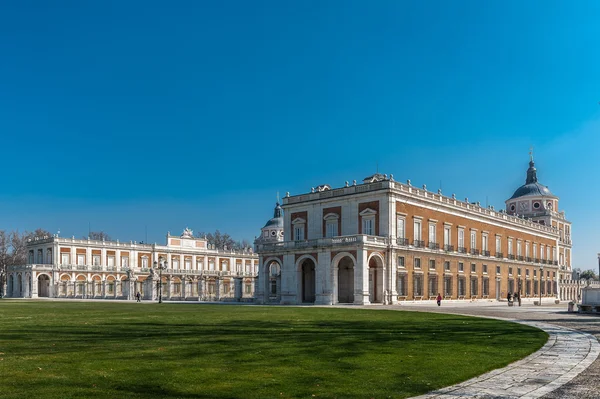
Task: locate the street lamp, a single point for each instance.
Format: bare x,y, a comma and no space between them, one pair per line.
541,276
160,265
578,282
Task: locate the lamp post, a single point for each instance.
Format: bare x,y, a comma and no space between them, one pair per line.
162,264
578,281
541,276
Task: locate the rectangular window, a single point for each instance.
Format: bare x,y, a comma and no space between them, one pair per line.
417,263
498,244
65,258
401,228
510,246
510,271
368,226
402,285
527,272
432,263
299,232
484,242
548,252
461,267
497,269
474,285
486,286
417,232
447,266
527,249
400,261
447,236
518,271
461,238
535,250
432,233
519,248
332,229
144,261
417,285
473,240
80,259
96,260
484,269
125,261
473,268
111,261
188,264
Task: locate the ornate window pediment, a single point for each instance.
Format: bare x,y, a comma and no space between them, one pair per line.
298,221
331,216
368,212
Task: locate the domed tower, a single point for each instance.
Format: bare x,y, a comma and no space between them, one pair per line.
273,230
532,200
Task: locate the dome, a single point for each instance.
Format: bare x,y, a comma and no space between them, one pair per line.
532,187
277,220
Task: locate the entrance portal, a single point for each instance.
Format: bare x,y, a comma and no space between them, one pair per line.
346,280
308,281
43,286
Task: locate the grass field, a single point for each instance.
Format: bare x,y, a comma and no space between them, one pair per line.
74,349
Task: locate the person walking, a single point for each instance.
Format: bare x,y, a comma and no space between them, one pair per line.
439,299
138,296
509,298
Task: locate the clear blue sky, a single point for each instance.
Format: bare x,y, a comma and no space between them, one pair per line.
132,116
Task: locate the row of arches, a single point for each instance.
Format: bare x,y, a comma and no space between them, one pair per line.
345,287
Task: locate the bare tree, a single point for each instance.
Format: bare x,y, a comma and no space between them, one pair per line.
99,235
219,240
13,250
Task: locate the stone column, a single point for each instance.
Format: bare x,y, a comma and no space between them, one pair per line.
361,277
217,289
324,276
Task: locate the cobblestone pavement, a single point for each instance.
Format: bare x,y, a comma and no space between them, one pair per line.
566,367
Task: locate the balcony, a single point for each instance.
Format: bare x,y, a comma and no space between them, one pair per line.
418,243
544,261
474,251
449,248
499,255
402,241
462,250
520,257
433,245
486,252
536,260
511,257
528,259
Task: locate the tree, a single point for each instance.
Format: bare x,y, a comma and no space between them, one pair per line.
99,236
588,275
13,249
219,240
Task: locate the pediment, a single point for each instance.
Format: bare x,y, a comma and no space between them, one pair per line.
298,221
368,212
331,216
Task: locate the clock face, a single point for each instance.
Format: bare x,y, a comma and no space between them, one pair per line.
523,206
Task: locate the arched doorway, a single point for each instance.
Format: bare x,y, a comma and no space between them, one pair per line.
19,286
375,280
345,280
308,281
43,286
11,286
274,282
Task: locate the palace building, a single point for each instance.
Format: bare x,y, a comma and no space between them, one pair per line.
383,241
188,267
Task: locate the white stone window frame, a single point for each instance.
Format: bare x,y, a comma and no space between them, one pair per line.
124,261
447,234
461,267
510,246
417,228
110,260
498,243
368,221
485,242
145,261
331,225
80,259
65,258
473,240
461,237
431,232
519,248
96,260
401,226
298,228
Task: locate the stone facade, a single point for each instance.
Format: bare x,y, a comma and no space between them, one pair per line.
189,268
383,242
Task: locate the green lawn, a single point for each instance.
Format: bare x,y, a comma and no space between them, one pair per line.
129,350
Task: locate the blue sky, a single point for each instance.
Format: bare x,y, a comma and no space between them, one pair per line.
152,116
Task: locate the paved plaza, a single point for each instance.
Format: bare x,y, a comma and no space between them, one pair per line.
566,367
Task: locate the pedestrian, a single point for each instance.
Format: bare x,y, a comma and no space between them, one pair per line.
138,296
509,298
439,299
